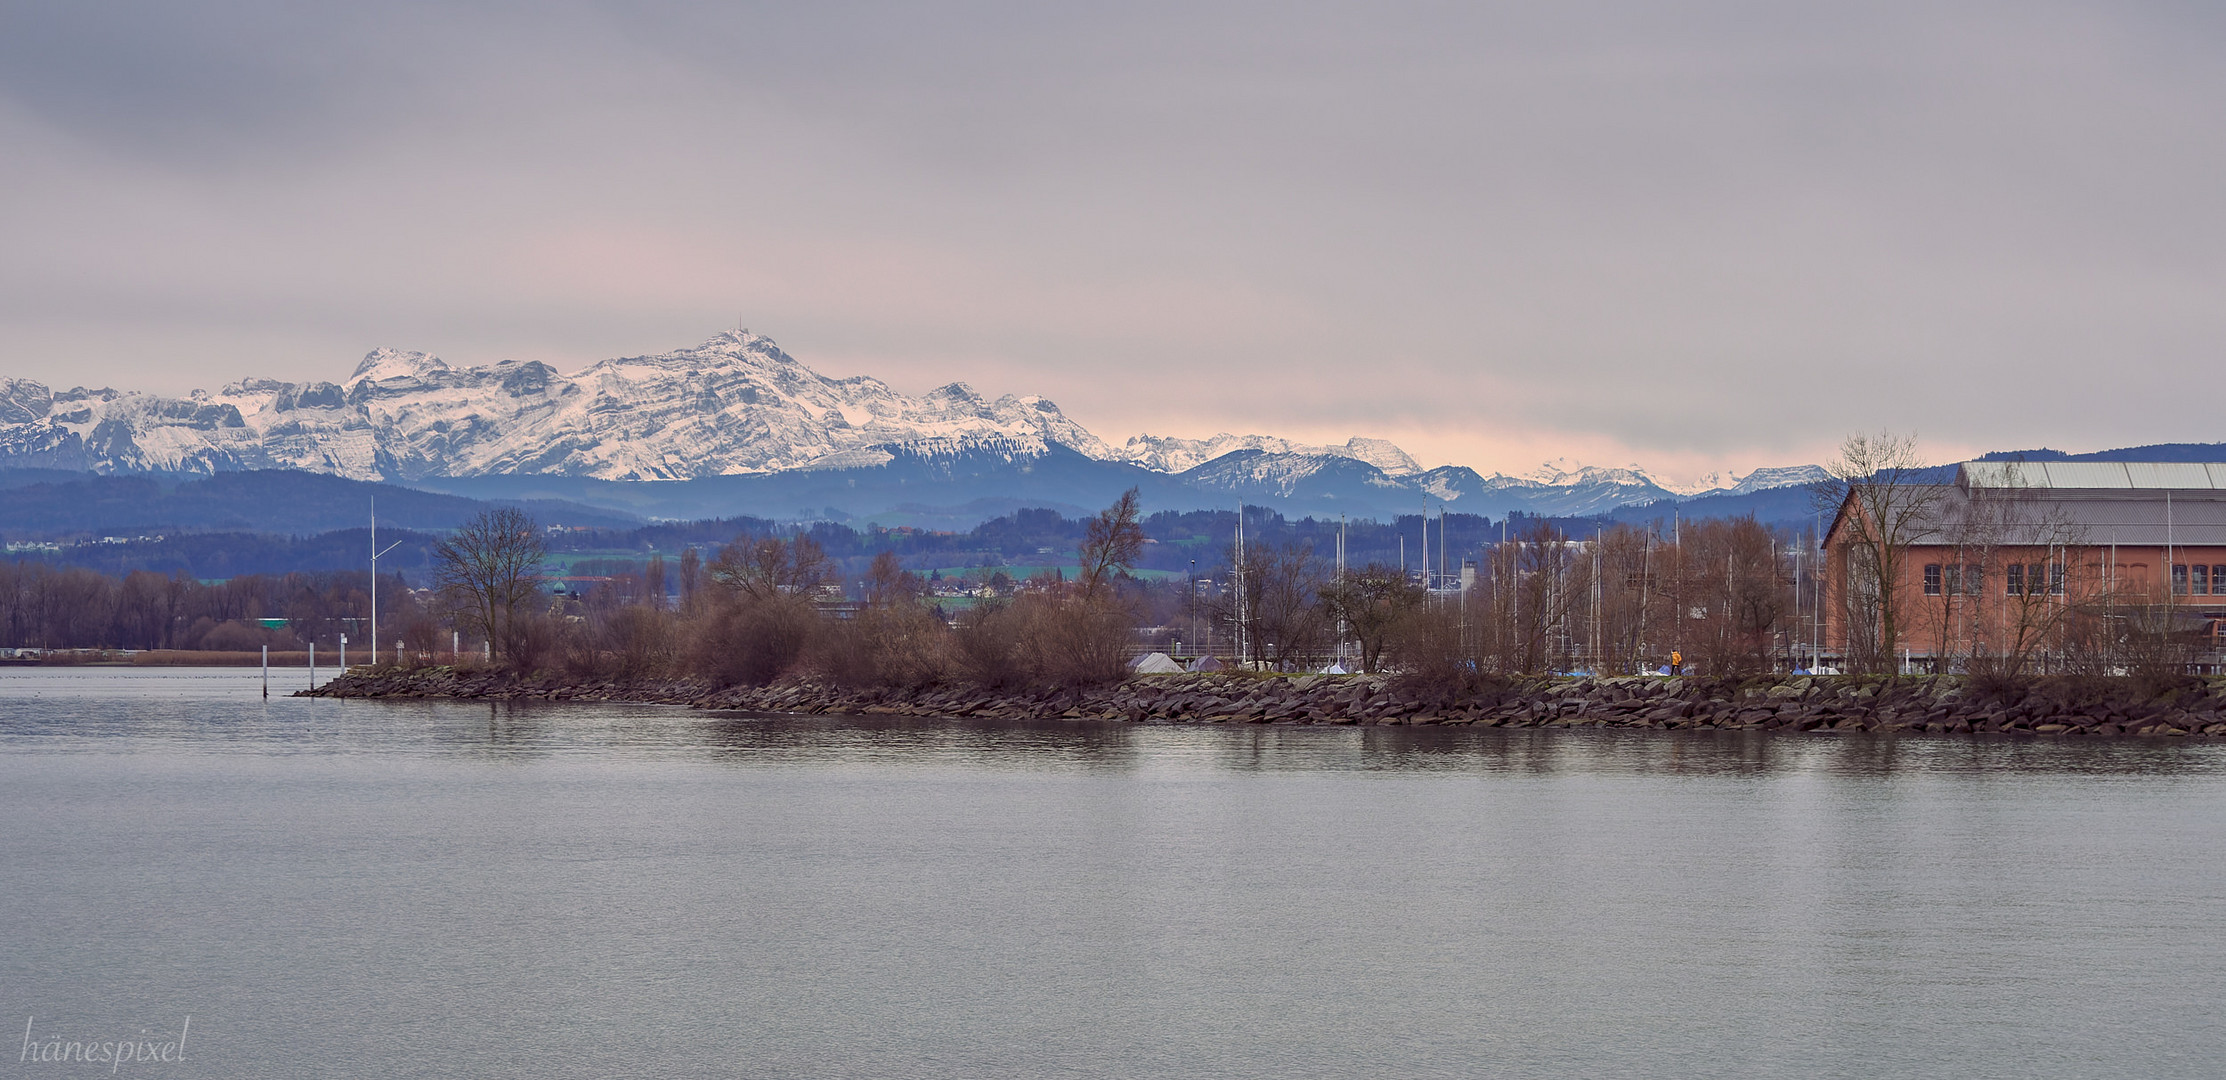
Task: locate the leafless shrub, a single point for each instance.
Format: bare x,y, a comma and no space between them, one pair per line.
234,637
2158,643
1434,648
985,646
1044,639
906,647
1081,642
578,650
533,640
740,640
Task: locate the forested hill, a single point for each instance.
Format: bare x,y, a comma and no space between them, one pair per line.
1021,543
41,504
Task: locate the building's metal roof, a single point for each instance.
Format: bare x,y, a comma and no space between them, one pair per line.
2094,475
2145,517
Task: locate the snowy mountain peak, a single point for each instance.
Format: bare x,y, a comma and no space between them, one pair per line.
1382,454
1564,472
381,364
733,404
1779,477
1169,454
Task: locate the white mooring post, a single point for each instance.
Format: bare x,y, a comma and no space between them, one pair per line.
266,671
343,654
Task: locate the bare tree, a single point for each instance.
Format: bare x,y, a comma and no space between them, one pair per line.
653,583
1624,587
2024,542
1373,601
1113,542
889,584
1280,608
1738,595
758,624
691,577
491,571
769,568
1542,595
1885,505
1524,604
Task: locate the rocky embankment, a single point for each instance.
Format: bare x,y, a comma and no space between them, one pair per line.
1800,703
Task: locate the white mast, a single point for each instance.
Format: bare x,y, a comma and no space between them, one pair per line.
1341,580
1244,637
375,553
1423,552
374,581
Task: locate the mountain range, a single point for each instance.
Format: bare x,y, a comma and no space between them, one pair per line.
737,426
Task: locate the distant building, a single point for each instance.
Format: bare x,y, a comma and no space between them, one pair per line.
2048,558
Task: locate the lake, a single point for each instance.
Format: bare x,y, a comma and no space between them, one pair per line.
333,888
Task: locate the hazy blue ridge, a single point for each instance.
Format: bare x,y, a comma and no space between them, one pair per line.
41,503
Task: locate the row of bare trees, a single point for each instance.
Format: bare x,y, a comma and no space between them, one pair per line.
1723,595
49,607
773,606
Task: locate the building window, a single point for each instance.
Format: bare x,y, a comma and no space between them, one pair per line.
2013,579
1973,577
2199,579
1932,579
2179,579
2056,579
2218,580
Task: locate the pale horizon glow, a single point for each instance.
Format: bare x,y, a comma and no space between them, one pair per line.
1696,240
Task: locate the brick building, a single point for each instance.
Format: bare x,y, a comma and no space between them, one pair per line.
2049,562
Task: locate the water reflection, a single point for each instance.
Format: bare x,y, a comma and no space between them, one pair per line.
1092,746
1536,751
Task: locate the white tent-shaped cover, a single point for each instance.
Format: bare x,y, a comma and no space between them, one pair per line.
1157,663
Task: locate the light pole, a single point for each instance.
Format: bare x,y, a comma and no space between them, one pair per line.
375,553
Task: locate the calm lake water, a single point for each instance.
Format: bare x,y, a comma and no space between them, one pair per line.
370,889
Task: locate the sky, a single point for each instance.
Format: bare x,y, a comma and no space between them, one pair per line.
1696,237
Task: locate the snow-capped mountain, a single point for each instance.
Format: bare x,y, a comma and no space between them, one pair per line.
1768,479
1564,473
737,407
1173,455
734,404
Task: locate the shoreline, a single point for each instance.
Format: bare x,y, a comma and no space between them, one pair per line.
127,658
1943,704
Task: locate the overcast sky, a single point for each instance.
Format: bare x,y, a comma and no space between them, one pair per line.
1691,236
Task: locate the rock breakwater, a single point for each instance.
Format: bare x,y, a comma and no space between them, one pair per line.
1937,704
